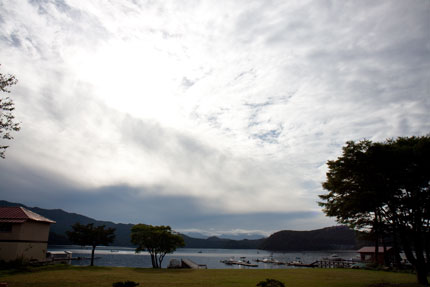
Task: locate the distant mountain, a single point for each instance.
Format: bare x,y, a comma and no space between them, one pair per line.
337,237
197,235
64,220
216,242
236,236
242,236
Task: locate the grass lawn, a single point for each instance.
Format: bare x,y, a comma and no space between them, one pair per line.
104,276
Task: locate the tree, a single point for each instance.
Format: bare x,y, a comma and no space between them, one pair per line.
7,123
157,240
90,235
384,188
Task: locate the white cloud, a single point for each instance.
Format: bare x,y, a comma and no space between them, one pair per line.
238,104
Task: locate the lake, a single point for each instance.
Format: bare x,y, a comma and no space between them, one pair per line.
126,257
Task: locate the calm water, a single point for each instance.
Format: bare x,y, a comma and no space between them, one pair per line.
126,257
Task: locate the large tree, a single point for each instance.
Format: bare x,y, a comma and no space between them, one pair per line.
384,188
90,235
157,240
7,123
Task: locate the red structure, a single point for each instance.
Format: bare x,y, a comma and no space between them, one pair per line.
367,254
23,234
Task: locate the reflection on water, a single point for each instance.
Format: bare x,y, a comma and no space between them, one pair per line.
126,257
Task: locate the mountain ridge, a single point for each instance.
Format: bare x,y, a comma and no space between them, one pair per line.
328,238
337,237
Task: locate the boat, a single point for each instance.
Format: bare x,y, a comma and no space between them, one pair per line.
229,261
333,257
59,256
242,262
301,264
270,260
248,264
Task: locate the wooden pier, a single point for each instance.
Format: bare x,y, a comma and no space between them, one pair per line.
325,264
333,264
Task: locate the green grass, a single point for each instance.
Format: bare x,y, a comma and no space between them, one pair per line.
105,276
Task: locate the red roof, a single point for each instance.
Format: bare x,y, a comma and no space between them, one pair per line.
371,249
18,214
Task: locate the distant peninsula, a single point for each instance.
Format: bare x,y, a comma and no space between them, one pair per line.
329,238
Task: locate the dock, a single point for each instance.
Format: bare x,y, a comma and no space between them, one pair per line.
334,263
187,263
324,264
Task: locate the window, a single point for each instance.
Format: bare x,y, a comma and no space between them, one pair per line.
5,227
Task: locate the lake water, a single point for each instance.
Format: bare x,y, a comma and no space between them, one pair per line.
126,257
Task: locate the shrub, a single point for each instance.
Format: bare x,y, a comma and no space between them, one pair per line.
270,283
125,284
18,264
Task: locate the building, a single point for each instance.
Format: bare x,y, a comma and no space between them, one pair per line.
367,254
23,234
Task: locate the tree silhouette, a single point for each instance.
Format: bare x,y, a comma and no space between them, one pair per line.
157,240
90,235
384,188
7,123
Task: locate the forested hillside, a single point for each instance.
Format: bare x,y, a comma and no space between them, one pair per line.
337,237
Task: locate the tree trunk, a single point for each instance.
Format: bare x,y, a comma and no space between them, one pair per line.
161,257
408,251
154,261
421,265
376,230
386,258
419,247
92,256
422,275
427,248
397,258
418,260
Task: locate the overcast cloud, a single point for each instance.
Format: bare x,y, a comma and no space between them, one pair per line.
215,116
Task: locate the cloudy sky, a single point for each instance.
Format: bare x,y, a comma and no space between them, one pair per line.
212,116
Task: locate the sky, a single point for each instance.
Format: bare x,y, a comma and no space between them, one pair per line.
208,116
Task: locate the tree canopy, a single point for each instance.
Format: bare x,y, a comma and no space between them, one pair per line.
157,240
384,188
90,235
7,123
